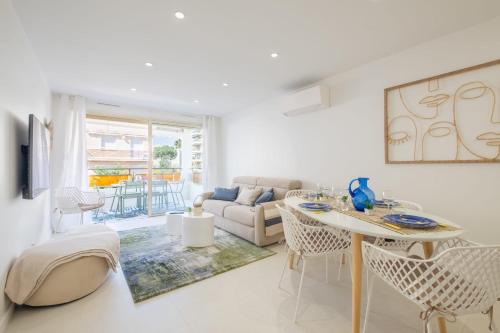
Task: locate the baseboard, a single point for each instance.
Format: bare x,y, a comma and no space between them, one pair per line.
4,322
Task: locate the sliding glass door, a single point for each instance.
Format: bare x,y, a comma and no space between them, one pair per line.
175,167
143,167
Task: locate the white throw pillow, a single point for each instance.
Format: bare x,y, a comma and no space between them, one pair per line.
248,196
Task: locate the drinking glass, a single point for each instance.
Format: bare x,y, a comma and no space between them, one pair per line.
343,196
388,198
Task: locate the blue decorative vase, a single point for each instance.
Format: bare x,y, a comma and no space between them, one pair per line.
361,194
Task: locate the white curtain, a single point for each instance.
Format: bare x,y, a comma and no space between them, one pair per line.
211,160
69,152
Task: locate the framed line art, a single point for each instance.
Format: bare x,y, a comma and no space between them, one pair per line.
448,118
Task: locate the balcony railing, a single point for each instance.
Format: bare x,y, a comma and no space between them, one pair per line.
111,176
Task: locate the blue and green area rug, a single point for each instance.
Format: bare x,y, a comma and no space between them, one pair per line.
154,262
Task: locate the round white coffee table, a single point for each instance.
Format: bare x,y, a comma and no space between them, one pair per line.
198,231
174,223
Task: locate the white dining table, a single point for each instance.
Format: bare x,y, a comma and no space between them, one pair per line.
359,229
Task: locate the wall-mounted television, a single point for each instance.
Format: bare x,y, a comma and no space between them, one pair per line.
37,159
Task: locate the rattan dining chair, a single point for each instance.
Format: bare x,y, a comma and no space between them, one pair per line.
462,278
310,241
303,194
298,193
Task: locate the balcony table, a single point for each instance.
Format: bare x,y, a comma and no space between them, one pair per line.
359,229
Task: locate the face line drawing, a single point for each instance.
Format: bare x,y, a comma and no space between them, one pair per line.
482,136
391,140
429,132
431,101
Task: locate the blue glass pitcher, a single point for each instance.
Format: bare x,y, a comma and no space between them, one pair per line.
361,194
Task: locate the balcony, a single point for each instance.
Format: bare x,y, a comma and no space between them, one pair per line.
126,190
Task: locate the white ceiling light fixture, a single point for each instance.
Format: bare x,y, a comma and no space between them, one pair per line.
133,89
225,84
196,101
148,64
274,55
179,15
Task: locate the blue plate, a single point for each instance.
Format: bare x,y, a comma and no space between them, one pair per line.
315,206
381,203
411,221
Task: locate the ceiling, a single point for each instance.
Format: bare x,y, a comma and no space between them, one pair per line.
98,48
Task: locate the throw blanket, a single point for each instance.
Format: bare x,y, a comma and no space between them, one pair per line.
272,218
35,264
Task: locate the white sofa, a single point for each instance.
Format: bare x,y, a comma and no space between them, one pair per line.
248,221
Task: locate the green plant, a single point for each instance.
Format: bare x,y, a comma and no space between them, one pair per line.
166,154
178,144
104,171
344,198
368,204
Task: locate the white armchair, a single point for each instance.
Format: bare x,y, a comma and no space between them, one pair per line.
71,200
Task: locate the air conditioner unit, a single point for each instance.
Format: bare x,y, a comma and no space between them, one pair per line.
308,100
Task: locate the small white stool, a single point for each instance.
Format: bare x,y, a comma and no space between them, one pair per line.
197,231
174,223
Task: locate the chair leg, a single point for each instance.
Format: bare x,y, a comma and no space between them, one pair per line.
341,257
370,280
173,200
182,200
283,270
349,264
300,291
326,268
58,227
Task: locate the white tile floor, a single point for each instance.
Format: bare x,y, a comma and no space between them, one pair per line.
242,300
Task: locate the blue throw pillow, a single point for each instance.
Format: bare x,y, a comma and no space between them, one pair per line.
265,197
226,194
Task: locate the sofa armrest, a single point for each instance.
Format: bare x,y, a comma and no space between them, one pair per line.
260,227
202,197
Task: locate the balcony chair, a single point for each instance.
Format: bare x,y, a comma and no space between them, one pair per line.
71,200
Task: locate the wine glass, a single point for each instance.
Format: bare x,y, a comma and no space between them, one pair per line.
388,198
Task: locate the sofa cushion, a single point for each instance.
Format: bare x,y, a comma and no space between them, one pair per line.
248,196
265,197
226,194
241,214
217,206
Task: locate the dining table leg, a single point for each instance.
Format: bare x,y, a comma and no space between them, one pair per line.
357,280
428,251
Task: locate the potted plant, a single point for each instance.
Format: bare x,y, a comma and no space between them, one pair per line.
368,207
344,203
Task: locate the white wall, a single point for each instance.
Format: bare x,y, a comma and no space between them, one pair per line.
22,91
347,140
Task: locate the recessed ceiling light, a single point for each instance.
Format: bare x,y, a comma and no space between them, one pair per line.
196,101
225,84
133,89
179,15
148,64
274,55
